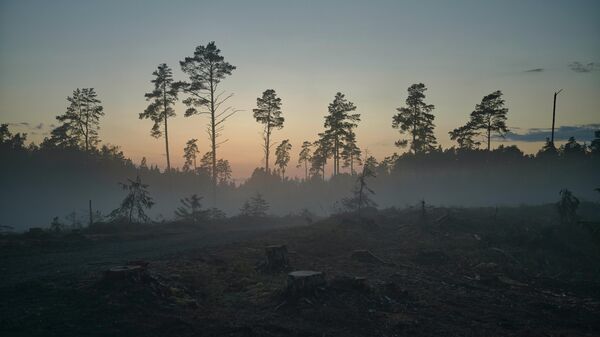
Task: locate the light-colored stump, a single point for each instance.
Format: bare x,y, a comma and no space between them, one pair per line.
277,258
304,282
121,273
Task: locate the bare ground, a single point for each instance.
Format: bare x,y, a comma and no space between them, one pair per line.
452,273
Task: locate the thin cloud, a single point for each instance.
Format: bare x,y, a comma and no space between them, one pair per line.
534,70
580,132
579,67
19,125
29,127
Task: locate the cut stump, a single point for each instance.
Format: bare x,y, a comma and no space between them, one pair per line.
277,258
121,273
304,282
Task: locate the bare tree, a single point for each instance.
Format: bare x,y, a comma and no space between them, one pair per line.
360,195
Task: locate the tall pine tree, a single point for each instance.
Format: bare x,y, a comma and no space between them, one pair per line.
282,154
205,70
489,116
351,152
338,125
268,113
304,157
416,120
163,98
81,121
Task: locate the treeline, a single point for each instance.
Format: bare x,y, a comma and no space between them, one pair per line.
42,182
202,94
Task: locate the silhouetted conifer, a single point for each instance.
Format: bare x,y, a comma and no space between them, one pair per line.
338,126
282,156
81,121
190,153
135,203
191,210
163,98
416,119
490,116
205,70
268,113
304,157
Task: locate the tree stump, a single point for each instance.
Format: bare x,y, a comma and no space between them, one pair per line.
122,273
277,258
304,283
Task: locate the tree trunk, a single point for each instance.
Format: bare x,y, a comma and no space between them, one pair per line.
213,140
267,140
305,170
414,132
489,133
91,214
336,158
130,213
277,258
166,127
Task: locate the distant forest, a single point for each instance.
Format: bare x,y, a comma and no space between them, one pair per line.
58,177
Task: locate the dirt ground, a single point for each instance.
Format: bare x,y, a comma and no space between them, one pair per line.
452,272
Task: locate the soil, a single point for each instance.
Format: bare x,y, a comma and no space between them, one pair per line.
454,272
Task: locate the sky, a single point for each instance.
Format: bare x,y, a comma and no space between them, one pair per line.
307,51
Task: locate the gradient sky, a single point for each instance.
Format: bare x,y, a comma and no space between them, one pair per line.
307,51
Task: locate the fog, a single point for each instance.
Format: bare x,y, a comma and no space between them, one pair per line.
42,184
